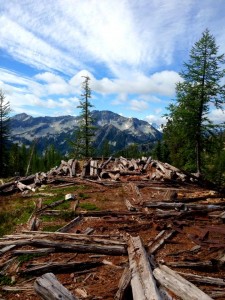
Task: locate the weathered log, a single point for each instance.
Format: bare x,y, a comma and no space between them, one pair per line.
72,246
61,267
33,251
164,205
6,249
70,225
49,288
203,279
93,168
202,265
85,168
124,284
21,186
142,280
104,164
147,164
178,285
159,240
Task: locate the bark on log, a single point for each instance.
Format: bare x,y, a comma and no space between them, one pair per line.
147,164
142,280
49,288
178,285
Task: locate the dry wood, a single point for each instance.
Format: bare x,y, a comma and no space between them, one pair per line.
142,281
203,265
147,164
124,284
61,267
72,246
70,225
203,279
34,251
49,288
160,239
178,285
6,249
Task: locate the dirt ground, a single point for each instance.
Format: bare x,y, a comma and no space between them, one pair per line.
101,282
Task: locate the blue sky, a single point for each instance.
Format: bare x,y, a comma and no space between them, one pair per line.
132,50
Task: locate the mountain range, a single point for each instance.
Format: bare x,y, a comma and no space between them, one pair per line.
119,131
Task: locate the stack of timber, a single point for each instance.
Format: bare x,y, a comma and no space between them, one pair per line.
114,169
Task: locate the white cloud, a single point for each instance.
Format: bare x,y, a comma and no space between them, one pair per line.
217,116
156,119
138,105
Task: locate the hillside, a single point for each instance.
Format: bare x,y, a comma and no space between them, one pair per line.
119,131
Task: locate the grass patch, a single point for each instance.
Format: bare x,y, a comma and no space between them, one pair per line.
89,206
83,196
51,228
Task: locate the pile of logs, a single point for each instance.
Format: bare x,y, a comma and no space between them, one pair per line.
114,169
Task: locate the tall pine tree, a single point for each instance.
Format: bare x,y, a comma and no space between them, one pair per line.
188,128
84,135
4,134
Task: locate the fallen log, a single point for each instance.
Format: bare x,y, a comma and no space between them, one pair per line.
71,246
61,267
142,280
178,285
49,288
200,265
159,240
203,279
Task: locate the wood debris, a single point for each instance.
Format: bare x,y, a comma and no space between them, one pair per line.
148,208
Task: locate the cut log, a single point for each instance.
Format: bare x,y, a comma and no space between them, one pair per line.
178,285
147,164
124,284
49,288
142,281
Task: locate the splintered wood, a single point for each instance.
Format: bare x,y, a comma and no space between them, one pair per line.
158,233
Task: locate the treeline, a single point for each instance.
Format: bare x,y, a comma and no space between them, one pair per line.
24,161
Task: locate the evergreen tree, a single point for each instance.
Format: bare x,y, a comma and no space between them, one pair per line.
85,133
188,127
4,134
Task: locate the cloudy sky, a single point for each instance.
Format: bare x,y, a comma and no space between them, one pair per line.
132,50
